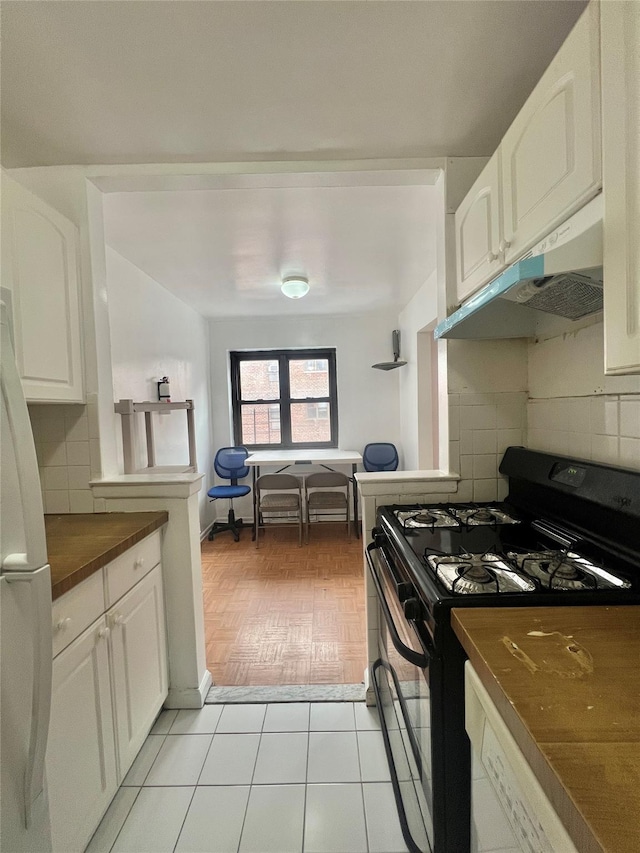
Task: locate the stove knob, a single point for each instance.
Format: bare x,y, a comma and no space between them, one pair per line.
378,536
405,591
413,609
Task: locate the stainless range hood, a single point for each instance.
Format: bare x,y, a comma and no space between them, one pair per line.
561,276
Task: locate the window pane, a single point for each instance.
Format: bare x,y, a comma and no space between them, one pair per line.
309,378
259,380
310,422
261,424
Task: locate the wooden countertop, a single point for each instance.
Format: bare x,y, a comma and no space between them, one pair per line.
567,683
79,545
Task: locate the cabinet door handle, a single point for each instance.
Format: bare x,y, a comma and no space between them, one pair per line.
491,257
504,245
103,633
63,624
139,563
118,619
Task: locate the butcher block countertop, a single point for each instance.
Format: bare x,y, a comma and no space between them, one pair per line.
566,681
79,545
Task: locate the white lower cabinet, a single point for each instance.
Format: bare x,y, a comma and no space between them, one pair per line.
81,754
138,663
108,685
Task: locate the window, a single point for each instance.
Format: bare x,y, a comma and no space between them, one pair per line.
285,398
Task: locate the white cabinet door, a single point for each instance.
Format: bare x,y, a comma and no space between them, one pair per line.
478,232
139,663
81,756
551,161
621,163
40,267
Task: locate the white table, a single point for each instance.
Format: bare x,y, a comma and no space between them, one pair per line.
282,459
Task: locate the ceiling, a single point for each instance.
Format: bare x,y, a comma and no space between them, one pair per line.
363,243
176,81
151,81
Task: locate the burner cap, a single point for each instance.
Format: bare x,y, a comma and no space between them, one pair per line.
559,568
483,515
424,517
475,572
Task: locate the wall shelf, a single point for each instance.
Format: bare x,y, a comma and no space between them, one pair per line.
128,409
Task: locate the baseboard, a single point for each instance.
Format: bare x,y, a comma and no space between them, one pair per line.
369,693
189,697
204,533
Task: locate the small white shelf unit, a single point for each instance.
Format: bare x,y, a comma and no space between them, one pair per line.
128,409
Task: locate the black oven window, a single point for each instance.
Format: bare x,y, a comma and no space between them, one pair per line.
285,398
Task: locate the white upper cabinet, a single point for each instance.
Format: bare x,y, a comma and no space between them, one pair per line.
478,231
621,166
551,163
547,166
40,267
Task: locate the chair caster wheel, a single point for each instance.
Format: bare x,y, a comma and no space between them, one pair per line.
236,536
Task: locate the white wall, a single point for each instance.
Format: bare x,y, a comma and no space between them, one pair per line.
154,334
418,402
368,400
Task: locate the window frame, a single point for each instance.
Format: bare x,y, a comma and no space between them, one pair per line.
284,399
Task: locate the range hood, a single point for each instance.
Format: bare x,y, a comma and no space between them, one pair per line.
561,276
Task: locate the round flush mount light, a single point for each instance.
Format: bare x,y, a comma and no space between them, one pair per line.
294,286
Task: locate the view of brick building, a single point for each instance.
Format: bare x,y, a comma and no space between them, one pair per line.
308,381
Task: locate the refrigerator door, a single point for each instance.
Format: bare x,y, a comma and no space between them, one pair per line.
22,539
25,622
25,703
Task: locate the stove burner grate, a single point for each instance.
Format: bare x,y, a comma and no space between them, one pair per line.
478,573
473,515
565,570
429,517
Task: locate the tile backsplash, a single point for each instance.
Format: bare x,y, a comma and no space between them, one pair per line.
68,451
604,428
481,427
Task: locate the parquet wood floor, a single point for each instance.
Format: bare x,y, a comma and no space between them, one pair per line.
283,614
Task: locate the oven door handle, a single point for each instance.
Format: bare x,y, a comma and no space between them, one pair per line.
403,650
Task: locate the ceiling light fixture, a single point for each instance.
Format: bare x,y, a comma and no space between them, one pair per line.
295,286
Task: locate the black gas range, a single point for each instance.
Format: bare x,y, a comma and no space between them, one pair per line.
568,533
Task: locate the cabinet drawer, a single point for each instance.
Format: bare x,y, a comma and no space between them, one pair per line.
76,610
125,571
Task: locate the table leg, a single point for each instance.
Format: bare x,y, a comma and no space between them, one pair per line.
256,474
356,525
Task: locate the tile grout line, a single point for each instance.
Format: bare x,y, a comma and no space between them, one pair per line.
306,781
123,822
186,814
364,811
253,773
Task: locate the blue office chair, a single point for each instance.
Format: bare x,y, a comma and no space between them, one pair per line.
380,456
229,464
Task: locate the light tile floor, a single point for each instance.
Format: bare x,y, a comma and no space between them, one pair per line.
269,778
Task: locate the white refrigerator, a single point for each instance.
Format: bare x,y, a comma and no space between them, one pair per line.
25,623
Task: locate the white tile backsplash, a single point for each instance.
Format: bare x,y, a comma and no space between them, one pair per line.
630,417
488,424
600,428
68,451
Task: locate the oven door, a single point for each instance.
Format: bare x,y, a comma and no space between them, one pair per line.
400,679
